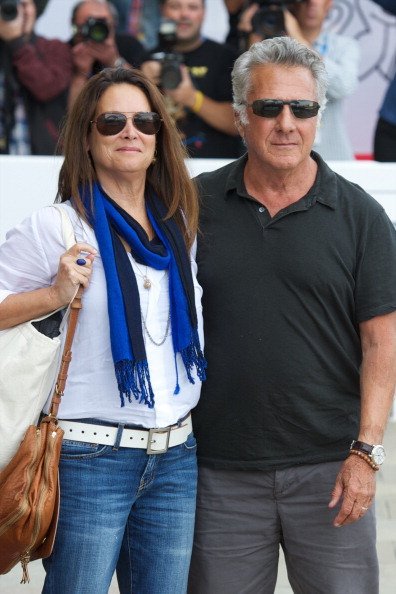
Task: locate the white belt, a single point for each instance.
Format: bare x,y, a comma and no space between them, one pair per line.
154,441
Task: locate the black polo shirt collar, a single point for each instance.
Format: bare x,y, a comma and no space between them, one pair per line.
235,185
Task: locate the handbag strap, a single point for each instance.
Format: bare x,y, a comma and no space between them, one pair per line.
75,306
59,389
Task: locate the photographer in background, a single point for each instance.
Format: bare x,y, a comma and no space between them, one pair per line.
303,20
35,75
385,133
96,45
201,101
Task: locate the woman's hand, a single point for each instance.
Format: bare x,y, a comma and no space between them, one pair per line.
75,268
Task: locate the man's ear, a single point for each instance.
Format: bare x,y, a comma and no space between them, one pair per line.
238,124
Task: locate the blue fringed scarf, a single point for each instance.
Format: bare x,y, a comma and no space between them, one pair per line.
129,354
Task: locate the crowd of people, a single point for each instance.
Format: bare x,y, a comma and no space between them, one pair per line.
40,78
234,363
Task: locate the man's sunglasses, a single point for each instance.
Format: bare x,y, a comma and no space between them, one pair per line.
271,108
112,122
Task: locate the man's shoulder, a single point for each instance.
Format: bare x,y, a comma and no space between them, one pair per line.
222,47
131,49
45,42
215,49
348,194
337,41
212,182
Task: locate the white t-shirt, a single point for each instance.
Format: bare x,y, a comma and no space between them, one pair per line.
29,260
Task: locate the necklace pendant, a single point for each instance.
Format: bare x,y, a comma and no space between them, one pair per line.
146,283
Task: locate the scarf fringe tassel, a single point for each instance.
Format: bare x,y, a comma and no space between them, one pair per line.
193,357
133,379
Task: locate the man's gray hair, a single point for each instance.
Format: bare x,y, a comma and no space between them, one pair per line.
284,51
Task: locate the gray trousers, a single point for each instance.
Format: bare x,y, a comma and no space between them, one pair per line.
243,517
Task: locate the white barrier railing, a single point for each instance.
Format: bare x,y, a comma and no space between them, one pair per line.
27,183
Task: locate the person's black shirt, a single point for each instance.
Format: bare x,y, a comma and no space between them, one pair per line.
210,68
282,300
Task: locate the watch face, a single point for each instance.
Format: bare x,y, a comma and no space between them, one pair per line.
378,454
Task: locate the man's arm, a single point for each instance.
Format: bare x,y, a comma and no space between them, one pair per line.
355,483
44,66
218,114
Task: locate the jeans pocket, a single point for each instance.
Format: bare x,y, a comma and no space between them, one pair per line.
190,443
79,449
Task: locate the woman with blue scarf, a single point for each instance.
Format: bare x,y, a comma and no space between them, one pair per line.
128,463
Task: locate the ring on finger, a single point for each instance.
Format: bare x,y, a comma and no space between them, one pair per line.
364,508
81,261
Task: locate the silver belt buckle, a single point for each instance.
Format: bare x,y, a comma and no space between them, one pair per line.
151,440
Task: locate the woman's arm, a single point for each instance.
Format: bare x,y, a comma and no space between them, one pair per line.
37,274
21,307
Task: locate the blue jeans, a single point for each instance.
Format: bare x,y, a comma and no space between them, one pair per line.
126,510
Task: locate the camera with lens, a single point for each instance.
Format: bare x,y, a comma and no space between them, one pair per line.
170,76
8,9
269,20
92,30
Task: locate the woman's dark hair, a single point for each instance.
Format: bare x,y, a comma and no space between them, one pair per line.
167,176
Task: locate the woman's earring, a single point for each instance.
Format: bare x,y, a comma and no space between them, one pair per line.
154,158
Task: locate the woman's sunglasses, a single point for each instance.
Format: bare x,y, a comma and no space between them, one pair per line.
271,108
112,122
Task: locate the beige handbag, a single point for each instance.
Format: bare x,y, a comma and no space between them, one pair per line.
29,361
29,484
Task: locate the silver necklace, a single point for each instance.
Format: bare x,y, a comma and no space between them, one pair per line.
146,281
151,339
147,285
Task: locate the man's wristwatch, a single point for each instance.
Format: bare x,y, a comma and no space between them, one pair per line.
375,452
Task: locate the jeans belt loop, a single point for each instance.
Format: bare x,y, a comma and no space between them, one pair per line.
151,440
117,442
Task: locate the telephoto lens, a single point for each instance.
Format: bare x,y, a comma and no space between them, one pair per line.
95,30
8,9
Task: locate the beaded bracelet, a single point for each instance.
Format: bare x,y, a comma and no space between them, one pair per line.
366,458
199,97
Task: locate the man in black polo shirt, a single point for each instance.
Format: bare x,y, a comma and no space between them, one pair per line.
201,103
298,269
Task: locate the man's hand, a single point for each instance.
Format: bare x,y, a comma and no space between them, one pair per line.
184,94
106,52
86,53
22,25
245,20
293,28
82,59
355,485
152,69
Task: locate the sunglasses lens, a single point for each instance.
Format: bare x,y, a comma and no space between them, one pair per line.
271,108
304,109
267,108
110,124
147,122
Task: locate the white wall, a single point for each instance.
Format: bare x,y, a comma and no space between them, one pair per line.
27,183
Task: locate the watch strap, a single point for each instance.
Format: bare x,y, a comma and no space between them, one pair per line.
361,446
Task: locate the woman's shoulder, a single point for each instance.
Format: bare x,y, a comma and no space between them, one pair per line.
51,219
